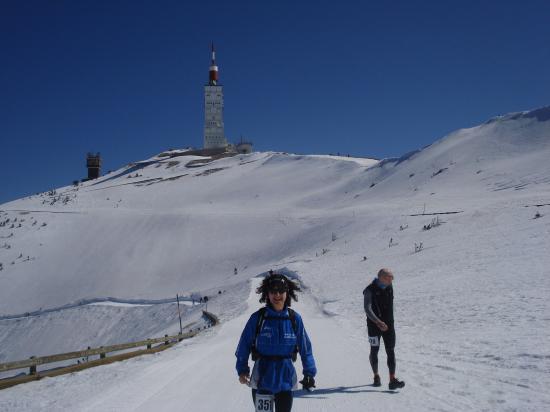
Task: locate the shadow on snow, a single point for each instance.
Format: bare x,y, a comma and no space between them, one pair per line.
338,389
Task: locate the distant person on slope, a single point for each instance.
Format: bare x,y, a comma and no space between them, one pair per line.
378,303
274,335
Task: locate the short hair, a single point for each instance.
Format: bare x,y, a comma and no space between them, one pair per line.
384,271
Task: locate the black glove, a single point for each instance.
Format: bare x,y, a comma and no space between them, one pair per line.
308,383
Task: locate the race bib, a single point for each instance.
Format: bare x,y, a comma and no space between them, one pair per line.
264,402
374,340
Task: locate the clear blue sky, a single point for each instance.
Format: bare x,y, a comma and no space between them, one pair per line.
368,78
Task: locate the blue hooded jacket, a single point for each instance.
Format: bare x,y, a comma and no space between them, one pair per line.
276,338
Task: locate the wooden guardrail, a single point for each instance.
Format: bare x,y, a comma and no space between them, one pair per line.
211,317
32,363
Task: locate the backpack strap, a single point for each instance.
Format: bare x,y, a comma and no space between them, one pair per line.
292,317
259,324
260,321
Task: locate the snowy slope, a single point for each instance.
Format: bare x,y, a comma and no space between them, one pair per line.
472,307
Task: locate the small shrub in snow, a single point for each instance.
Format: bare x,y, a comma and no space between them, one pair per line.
439,171
418,247
434,223
537,215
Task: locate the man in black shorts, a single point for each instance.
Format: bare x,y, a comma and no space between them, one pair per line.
378,302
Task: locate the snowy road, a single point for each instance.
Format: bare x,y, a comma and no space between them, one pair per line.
198,375
176,379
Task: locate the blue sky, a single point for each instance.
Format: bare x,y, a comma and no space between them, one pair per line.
368,78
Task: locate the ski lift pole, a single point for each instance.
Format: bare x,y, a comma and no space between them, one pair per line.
179,313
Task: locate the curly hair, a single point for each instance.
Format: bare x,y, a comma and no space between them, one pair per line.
292,288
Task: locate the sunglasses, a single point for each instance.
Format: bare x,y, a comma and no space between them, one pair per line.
277,290
277,286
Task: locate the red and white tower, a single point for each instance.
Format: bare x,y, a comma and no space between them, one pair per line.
213,71
214,136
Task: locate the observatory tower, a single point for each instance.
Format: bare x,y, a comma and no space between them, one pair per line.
214,136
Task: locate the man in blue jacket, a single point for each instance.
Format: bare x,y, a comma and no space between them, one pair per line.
274,335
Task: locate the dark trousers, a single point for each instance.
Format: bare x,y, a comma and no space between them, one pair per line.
389,344
283,400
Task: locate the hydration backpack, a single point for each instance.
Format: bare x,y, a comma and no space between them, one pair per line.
261,318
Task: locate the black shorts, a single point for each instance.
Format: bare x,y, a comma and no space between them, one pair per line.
375,334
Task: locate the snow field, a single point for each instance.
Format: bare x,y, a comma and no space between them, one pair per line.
472,311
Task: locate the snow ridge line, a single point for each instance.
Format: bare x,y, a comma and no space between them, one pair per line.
26,211
89,301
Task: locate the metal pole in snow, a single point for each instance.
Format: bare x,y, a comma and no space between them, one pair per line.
179,313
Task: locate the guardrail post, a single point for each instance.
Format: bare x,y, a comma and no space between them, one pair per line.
101,355
166,341
32,370
180,338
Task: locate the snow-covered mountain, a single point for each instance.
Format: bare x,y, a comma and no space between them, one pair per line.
472,305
